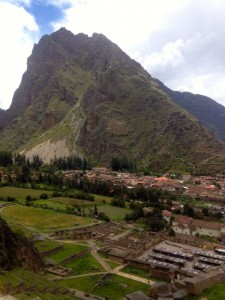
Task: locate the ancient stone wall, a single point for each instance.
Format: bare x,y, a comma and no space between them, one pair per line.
51,251
75,256
199,283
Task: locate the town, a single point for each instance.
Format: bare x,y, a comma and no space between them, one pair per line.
174,244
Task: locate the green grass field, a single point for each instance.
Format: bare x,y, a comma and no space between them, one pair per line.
116,287
112,264
135,271
85,265
63,202
46,245
113,212
20,193
68,250
102,199
42,219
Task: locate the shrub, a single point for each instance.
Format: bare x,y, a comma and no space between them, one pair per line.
44,196
10,199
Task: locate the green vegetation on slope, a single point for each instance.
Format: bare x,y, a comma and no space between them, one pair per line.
87,93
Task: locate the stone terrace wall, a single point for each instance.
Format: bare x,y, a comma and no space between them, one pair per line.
165,275
153,242
51,251
182,240
76,256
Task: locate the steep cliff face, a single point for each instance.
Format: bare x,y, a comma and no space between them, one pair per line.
210,113
16,250
86,92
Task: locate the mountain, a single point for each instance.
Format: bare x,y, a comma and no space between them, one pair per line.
17,251
210,113
83,95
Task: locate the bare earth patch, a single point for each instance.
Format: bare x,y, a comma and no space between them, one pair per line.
48,150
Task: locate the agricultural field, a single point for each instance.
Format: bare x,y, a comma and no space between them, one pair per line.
41,219
63,202
21,193
102,199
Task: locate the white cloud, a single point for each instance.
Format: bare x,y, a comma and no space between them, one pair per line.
127,23
179,42
58,3
18,32
18,2
166,60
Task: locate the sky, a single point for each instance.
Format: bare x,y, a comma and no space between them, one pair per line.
180,42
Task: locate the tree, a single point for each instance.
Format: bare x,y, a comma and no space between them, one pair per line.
44,196
188,210
120,202
28,199
122,163
205,211
218,215
103,216
20,159
6,158
25,174
171,232
95,211
36,162
153,223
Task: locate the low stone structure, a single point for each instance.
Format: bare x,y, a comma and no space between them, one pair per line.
139,295
185,239
199,283
51,251
100,231
59,270
119,254
75,234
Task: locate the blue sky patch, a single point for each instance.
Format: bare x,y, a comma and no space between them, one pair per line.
44,15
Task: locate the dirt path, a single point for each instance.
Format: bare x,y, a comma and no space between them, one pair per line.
108,269
85,275
98,257
136,278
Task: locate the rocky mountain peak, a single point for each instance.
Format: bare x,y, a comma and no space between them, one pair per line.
87,93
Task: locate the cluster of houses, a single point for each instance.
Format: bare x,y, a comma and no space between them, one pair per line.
211,187
185,225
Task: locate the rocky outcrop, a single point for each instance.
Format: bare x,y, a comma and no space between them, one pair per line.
17,251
